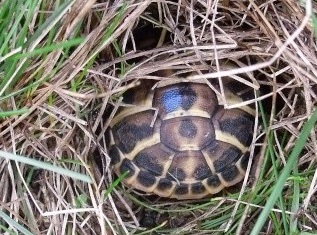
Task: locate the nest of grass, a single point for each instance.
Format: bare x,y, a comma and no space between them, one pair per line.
67,91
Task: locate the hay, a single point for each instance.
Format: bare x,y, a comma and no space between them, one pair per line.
271,41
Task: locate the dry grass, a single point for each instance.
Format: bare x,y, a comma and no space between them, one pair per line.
66,92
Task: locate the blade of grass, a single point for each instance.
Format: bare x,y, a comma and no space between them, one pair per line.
49,23
299,145
110,30
153,230
46,166
13,112
14,224
24,89
49,48
114,184
295,203
272,156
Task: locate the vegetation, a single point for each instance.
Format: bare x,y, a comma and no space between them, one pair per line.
62,63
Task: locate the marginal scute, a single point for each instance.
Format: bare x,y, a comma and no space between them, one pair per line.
115,155
245,93
182,189
108,137
164,184
213,181
230,173
129,96
202,172
177,141
244,161
127,166
198,188
146,178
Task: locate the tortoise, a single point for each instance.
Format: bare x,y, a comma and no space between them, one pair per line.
175,139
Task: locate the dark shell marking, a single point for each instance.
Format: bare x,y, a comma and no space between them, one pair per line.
177,141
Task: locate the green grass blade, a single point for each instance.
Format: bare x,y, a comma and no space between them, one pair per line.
49,48
114,184
49,23
46,166
14,224
13,112
299,145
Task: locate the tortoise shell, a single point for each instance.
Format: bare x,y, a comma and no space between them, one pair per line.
175,140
